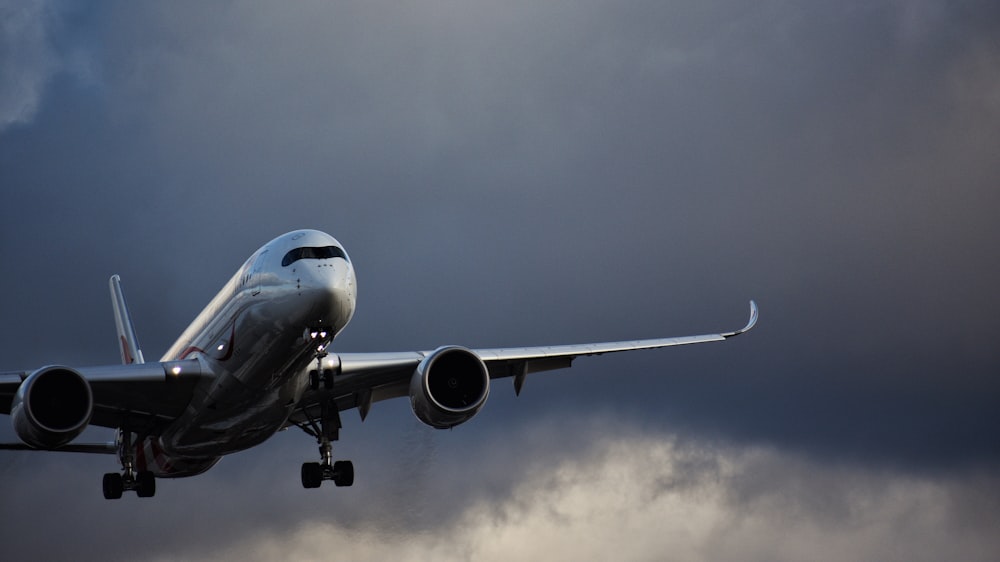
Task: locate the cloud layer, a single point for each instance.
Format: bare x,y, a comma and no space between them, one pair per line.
652,497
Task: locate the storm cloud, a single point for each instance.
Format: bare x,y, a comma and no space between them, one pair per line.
26,61
525,173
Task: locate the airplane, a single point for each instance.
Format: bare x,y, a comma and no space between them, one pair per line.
257,360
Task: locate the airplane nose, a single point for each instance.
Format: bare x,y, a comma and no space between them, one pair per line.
330,288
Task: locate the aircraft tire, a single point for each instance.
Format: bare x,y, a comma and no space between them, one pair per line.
343,473
147,485
113,486
312,475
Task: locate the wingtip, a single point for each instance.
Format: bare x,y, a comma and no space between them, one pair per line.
753,316
750,323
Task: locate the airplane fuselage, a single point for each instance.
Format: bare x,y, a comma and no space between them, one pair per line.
258,337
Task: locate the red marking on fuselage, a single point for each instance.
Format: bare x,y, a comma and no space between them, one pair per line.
141,463
150,456
161,458
191,350
229,352
232,343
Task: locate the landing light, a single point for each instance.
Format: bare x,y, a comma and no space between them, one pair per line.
221,346
176,370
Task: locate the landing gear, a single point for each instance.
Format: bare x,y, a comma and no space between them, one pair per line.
143,482
321,339
325,432
314,473
321,375
326,427
113,486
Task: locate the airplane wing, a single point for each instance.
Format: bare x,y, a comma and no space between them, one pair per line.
365,378
150,395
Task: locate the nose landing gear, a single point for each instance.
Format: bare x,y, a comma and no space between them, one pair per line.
321,339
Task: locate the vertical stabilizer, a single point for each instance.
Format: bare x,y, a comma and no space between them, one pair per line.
127,341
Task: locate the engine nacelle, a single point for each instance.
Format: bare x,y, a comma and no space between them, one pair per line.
449,387
52,406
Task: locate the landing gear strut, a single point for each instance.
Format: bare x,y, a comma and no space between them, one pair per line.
326,429
314,473
143,482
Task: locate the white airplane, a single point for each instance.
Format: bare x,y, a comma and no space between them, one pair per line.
256,361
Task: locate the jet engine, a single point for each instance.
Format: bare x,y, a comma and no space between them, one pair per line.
52,406
449,387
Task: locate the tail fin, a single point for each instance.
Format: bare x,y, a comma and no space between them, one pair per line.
123,322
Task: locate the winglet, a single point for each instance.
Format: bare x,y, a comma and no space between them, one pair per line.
750,323
127,340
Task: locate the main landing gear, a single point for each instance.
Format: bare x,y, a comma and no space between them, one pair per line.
142,482
325,432
326,429
314,473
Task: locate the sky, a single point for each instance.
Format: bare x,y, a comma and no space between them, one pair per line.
525,173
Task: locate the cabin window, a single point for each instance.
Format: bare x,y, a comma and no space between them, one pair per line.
323,253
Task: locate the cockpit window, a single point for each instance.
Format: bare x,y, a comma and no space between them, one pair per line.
324,253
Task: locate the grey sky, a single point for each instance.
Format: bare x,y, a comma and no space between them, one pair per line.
520,173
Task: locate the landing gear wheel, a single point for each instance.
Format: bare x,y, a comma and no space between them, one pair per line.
326,376
145,485
343,473
325,428
113,486
312,475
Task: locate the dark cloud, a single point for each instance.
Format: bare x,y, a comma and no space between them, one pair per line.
26,61
521,174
